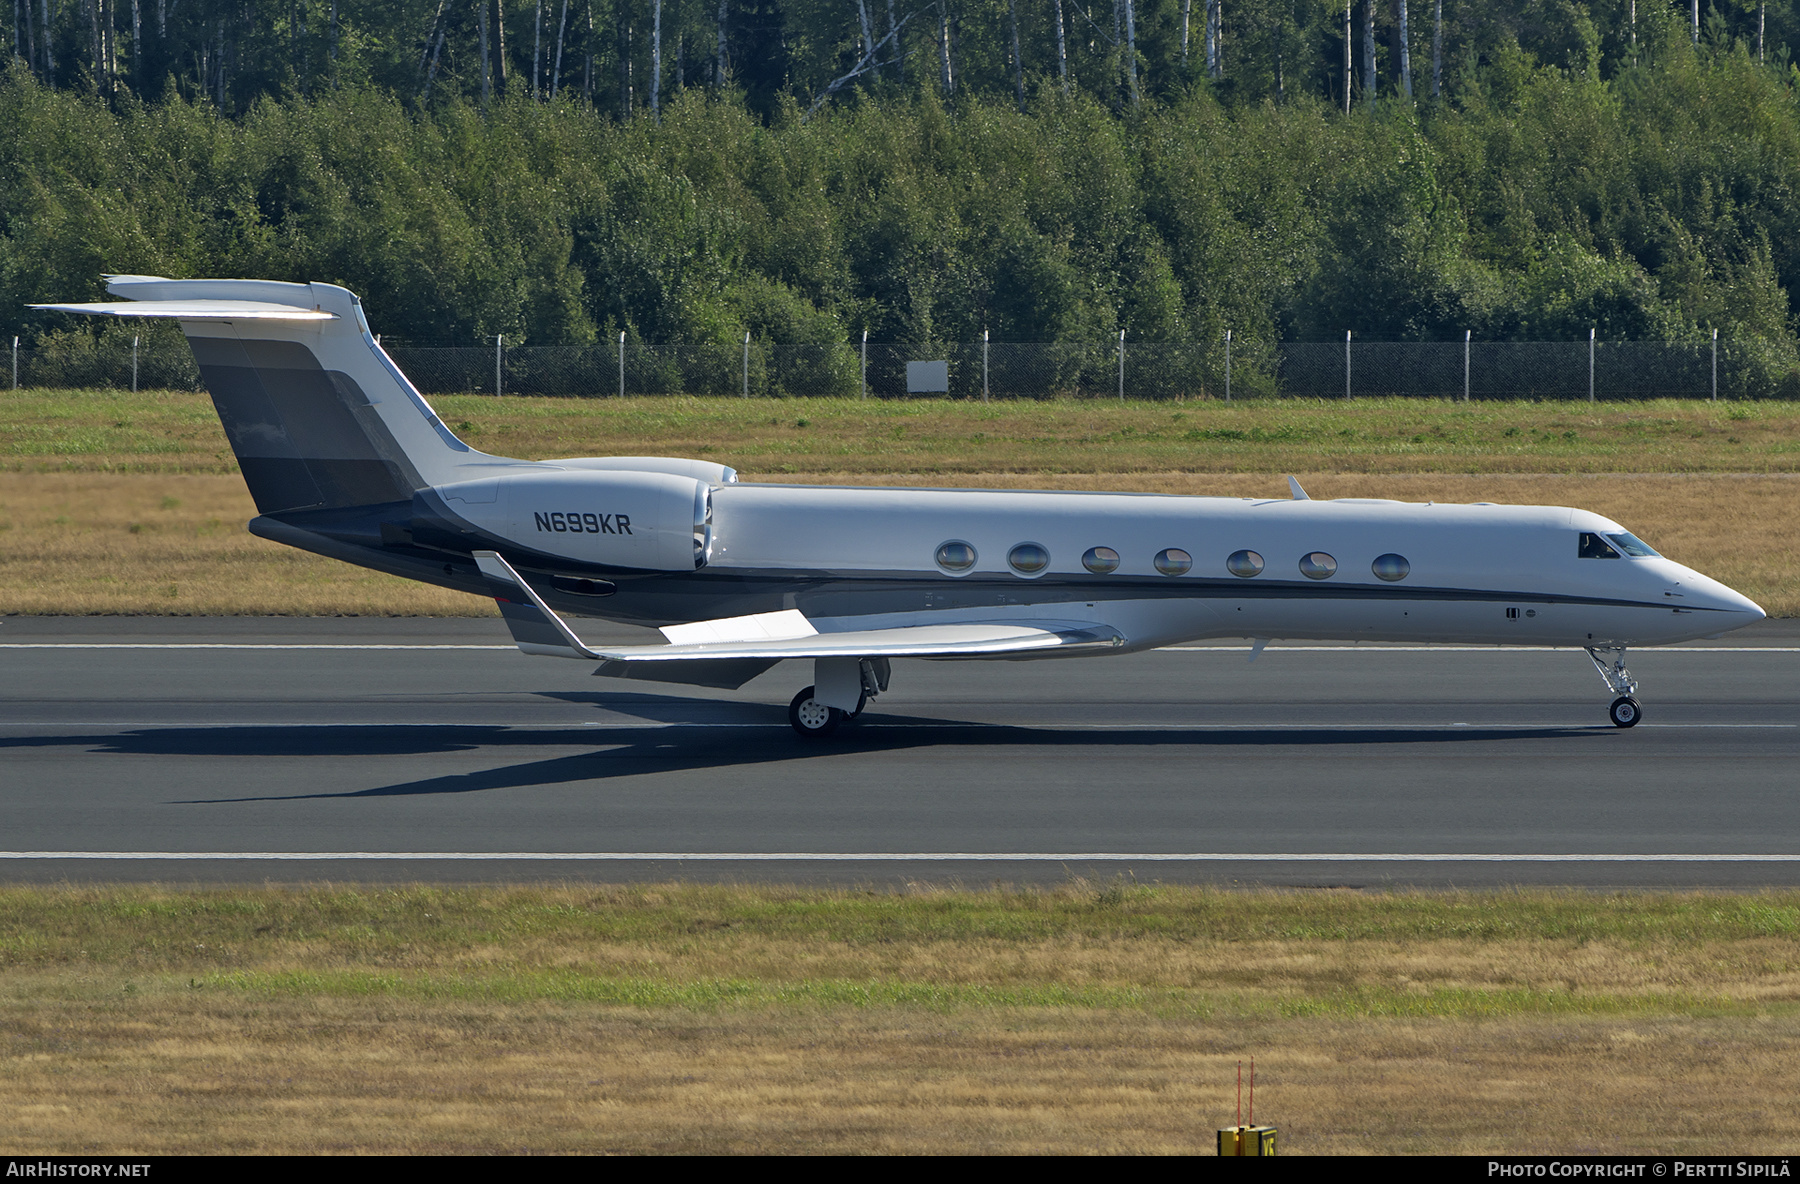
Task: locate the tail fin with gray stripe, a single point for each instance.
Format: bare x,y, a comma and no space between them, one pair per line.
317,414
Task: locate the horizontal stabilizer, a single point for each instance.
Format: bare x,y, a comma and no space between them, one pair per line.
535,629
197,310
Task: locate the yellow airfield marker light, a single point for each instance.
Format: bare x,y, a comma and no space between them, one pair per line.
1248,1139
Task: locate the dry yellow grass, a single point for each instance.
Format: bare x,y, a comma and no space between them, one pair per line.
67,543
180,1074
175,543
1080,1019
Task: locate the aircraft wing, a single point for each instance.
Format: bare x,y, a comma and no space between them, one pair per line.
732,651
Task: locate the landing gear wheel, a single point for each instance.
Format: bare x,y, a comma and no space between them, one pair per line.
812,718
1625,712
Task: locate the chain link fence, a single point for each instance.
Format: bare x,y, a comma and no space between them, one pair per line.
1608,371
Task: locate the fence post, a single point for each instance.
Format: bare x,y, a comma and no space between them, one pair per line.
134,356
1346,363
1228,365
1467,333
1715,366
499,345
746,363
1590,365
1121,365
984,368
865,364
15,362
621,363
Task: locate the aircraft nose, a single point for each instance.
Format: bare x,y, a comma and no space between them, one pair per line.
1737,607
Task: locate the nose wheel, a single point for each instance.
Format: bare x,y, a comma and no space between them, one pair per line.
1610,662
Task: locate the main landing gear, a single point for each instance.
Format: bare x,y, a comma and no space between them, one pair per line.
1610,662
814,718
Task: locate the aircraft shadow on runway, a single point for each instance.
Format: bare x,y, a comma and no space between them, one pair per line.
664,745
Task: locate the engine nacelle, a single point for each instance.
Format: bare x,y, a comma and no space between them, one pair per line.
647,521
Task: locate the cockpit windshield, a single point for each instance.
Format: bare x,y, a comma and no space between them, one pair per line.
1593,546
1609,546
1632,545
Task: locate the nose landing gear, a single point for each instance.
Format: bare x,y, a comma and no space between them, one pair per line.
1610,662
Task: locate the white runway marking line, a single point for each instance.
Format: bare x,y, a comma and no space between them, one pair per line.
233,645
634,726
919,856
1373,648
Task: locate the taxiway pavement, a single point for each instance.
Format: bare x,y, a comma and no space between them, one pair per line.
249,749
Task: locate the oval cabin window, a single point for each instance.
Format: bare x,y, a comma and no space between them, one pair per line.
1318,566
956,556
1028,559
1391,567
1174,562
1101,560
1244,564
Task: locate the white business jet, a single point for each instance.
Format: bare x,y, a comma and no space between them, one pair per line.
344,458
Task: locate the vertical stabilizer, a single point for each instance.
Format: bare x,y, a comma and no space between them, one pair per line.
317,413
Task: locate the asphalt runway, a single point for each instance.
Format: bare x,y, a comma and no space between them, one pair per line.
214,750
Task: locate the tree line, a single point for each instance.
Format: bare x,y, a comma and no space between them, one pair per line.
623,56
1623,175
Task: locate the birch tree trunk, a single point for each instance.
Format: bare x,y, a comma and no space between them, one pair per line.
1212,48
137,40
537,53
587,57
1187,6
1369,53
625,66
499,47
655,59
1762,17
1405,56
1062,52
1131,48
949,79
1694,8
481,27
562,26
1347,77
44,28
30,35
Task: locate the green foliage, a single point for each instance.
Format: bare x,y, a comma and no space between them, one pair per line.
1571,179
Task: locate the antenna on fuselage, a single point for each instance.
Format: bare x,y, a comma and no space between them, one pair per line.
1299,493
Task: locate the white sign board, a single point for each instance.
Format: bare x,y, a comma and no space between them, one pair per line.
925,377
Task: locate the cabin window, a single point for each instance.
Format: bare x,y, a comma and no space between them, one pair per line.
1595,547
1028,559
956,556
1318,566
1391,567
1101,560
1244,564
1174,562
1632,545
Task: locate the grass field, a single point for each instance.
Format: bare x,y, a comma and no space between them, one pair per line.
176,432
1085,1018
113,503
